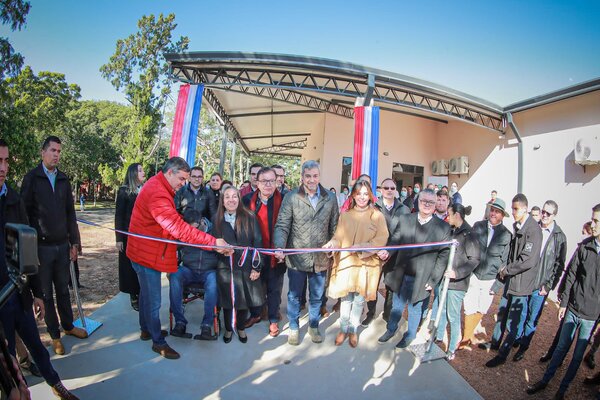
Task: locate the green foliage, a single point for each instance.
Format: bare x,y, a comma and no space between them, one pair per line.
93,134
139,69
35,106
13,13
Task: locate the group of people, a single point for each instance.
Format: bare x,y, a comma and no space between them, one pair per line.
370,243
524,265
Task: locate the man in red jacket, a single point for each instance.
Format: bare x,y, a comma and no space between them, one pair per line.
154,215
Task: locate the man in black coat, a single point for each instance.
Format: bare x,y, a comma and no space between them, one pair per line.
416,271
392,209
196,195
552,264
579,307
519,275
17,314
48,199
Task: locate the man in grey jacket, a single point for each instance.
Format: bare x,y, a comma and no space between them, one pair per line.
307,219
519,275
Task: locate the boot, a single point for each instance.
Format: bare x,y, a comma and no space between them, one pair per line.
471,322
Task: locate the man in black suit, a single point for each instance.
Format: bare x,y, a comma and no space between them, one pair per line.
416,271
46,192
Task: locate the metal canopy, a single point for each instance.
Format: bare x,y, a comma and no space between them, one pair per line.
252,93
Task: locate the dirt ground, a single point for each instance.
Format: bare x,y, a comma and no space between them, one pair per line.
99,277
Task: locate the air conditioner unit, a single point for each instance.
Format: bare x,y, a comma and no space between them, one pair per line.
439,167
459,165
587,151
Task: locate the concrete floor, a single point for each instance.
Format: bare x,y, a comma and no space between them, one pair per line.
114,364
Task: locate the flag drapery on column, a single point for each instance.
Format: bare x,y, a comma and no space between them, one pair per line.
185,125
366,143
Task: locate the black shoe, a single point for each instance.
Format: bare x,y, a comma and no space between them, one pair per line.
546,357
33,369
227,336
519,355
536,387
592,380
589,360
135,302
145,335
367,321
495,362
206,334
243,338
179,331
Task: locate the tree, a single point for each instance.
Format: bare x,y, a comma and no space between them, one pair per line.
35,106
92,140
139,69
13,13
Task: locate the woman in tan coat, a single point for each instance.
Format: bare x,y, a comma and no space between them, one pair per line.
355,275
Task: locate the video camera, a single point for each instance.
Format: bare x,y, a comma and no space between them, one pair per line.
21,261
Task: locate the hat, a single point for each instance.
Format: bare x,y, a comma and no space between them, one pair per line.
500,205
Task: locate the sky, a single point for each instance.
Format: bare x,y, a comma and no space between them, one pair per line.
500,51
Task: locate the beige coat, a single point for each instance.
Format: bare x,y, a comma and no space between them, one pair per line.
357,271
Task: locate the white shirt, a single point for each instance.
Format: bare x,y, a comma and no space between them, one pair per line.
424,221
546,233
490,233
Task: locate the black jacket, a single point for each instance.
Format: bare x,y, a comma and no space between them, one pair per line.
552,261
466,258
50,212
428,262
204,201
392,219
248,293
123,210
524,258
582,283
13,210
494,256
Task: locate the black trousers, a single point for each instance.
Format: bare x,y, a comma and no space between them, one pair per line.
15,318
54,276
387,305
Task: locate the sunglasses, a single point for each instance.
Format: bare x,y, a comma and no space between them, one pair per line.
388,188
546,213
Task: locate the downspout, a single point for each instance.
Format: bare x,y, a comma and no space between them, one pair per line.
515,130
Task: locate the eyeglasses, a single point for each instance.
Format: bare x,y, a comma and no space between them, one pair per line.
267,182
428,203
546,213
388,188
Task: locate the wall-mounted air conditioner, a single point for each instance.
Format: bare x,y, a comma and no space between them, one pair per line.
459,165
587,151
439,167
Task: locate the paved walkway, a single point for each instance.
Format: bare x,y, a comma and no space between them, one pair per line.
114,364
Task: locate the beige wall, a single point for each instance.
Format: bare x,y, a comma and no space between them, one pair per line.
549,172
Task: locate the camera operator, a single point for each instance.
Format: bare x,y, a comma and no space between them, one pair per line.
18,312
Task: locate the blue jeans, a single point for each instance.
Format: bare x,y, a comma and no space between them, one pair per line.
15,318
149,301
534,311
451,313
316,287
434,306
186,276
501,315
351,309
515,319
399,301
570,325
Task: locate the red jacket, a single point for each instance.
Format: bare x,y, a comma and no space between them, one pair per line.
154,214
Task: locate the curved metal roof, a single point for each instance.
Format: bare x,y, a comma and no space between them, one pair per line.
317,85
